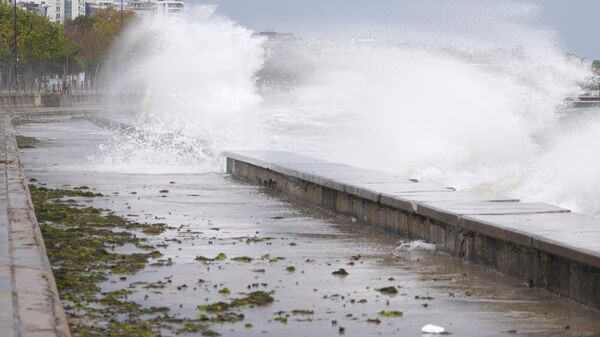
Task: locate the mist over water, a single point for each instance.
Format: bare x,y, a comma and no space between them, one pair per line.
477,113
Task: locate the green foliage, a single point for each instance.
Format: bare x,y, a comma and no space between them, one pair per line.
81,44
38,39
596,67
96,34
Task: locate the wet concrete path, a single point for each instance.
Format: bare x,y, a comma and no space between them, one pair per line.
211,213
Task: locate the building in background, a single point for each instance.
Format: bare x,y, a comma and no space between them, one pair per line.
54,10
162,8
92,6
73,8
39,8
61,10
47,8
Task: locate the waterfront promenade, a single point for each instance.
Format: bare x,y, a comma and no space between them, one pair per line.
29,300
276,240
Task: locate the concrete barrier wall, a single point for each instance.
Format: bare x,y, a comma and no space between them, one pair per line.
22,100
29,301
543,245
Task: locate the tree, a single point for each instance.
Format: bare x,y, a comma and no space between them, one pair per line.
596,67
47,48
42,45
95,36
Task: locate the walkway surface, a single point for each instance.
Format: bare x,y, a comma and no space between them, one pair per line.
29,302
210,212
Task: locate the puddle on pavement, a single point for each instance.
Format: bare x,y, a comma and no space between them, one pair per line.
291,252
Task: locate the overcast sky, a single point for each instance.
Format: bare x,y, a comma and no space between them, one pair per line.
573,25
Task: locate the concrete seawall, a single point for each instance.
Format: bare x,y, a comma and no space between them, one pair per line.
543,245
29,301
32,100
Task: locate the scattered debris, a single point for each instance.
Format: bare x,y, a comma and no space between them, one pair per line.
24,142
302,312
433,329
388,290
340,272
391,313
258,298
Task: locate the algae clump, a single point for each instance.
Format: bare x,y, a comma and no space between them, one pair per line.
24,142
391,313
256,298
388,290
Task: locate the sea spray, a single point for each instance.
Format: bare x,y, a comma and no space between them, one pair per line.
482,118
192,83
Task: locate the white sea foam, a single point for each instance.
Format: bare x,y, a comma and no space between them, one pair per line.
416,245
477,118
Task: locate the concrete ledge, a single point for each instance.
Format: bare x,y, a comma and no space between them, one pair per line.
543,245
29,301
24,100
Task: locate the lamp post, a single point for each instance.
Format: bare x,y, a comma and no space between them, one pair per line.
121,14
15,49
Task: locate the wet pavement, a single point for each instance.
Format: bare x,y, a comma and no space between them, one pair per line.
212,213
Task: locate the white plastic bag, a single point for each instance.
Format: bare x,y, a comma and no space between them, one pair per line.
433,329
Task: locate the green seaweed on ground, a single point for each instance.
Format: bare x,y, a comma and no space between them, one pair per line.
340,272
256,298
203,259
391,313
51,207
79,243
391,290
195,327
154,229
24,142
302,312
219,257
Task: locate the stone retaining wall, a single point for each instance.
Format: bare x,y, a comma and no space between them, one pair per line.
24,100
543,245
